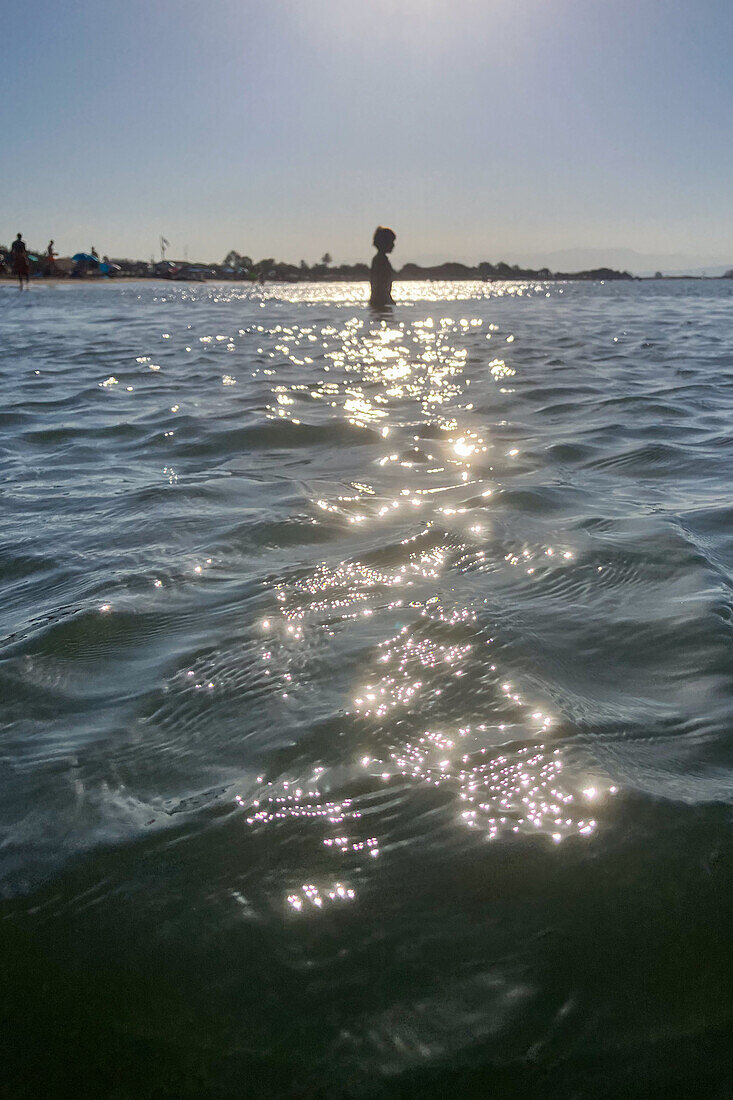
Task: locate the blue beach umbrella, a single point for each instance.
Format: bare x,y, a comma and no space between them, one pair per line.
84,257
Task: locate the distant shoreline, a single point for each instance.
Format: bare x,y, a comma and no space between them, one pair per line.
93,280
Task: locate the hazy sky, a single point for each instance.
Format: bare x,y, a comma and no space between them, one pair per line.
479,129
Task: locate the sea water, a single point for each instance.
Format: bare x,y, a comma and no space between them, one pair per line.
365,689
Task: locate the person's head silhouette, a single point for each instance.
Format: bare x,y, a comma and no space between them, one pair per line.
384,238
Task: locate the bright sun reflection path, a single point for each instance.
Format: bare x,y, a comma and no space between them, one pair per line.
432,706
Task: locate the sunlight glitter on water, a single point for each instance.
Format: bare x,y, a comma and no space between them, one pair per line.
367,678
412,376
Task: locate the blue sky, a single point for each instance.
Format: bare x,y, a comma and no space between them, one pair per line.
477,128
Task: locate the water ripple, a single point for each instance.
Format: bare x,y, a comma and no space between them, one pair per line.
388,655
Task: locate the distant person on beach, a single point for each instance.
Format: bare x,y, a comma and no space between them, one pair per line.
95,254
20,261
381,277
50,259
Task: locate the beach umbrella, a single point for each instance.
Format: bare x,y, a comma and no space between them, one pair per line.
84,257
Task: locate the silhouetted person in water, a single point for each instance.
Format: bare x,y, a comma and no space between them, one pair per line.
20,261
381,277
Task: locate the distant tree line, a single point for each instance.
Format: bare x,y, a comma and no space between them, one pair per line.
238,265
245,267
269,268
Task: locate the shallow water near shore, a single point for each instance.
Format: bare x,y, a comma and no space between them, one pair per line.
365,689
